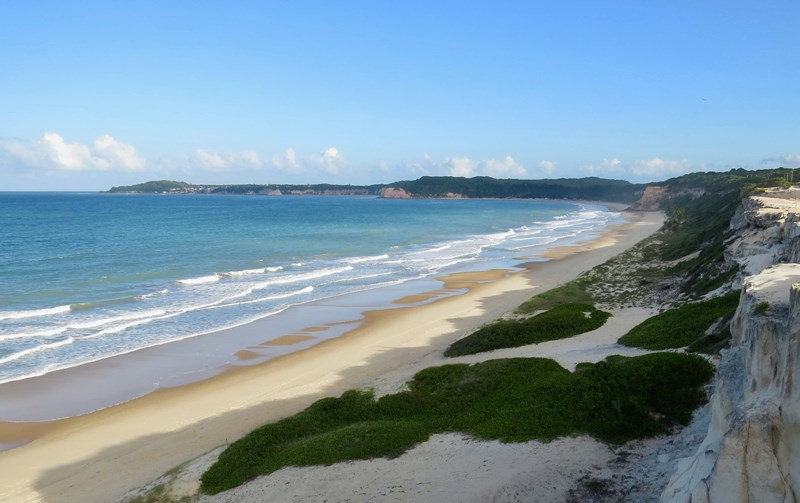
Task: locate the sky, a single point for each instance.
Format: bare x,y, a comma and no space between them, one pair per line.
97,94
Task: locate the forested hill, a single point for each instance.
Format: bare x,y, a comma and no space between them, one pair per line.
664,195
425,187
592,188
173,187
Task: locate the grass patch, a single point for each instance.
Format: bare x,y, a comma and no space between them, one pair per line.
711,344
681,326
562,321
511,400
573,292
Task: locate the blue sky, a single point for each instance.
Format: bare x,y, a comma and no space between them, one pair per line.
95,94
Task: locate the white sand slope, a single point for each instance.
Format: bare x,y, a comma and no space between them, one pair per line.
447,468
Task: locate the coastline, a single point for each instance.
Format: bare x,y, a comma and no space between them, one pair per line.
102,455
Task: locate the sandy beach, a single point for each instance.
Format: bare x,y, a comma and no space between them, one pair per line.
103,455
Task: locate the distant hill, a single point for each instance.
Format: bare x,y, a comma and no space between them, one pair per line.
426,187
153,187
675,192
171,187
592,188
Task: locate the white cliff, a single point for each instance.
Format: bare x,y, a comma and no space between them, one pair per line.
766,230
751,453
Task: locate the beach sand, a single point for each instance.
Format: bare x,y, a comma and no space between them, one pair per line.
103,455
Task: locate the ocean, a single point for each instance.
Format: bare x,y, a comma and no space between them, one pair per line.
87,276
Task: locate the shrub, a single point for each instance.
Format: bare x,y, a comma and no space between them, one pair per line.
572,292
562,321
511,400
681,326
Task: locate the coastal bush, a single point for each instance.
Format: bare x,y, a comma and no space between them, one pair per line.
683,325
571,292
712,343
512,400
562,321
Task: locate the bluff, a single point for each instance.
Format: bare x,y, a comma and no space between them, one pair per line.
751,452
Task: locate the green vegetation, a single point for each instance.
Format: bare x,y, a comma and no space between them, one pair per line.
159,494
699,209
593,188
762,307
168,186
681,326
560,322
511,400
427,186
574,291
712,343
155,187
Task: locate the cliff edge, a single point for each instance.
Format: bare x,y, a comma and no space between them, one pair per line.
751,452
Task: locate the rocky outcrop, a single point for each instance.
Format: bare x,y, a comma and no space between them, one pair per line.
766,229
751,452
394,193
655,197
651,198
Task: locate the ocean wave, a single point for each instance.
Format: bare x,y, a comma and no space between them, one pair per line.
33,313
315,274
366,276
83,306
115,319
540,242
49,332
201,280
434,249
361,260
249,272
279,296
37,349
119,328
146,296
404,261
95,358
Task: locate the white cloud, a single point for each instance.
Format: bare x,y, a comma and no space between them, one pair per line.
228,161
461,166
547,167
605,167
287,162
643,169
51,151
787,160
70,156
507,167
329,160
117,153
660,168
208,159
421,167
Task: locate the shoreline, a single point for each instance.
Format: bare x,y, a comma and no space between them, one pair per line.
84,388
104,454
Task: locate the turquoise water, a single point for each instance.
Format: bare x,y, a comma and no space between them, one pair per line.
85,276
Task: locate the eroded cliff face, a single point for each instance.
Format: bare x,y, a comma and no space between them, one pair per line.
394,193
751,452
766,231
